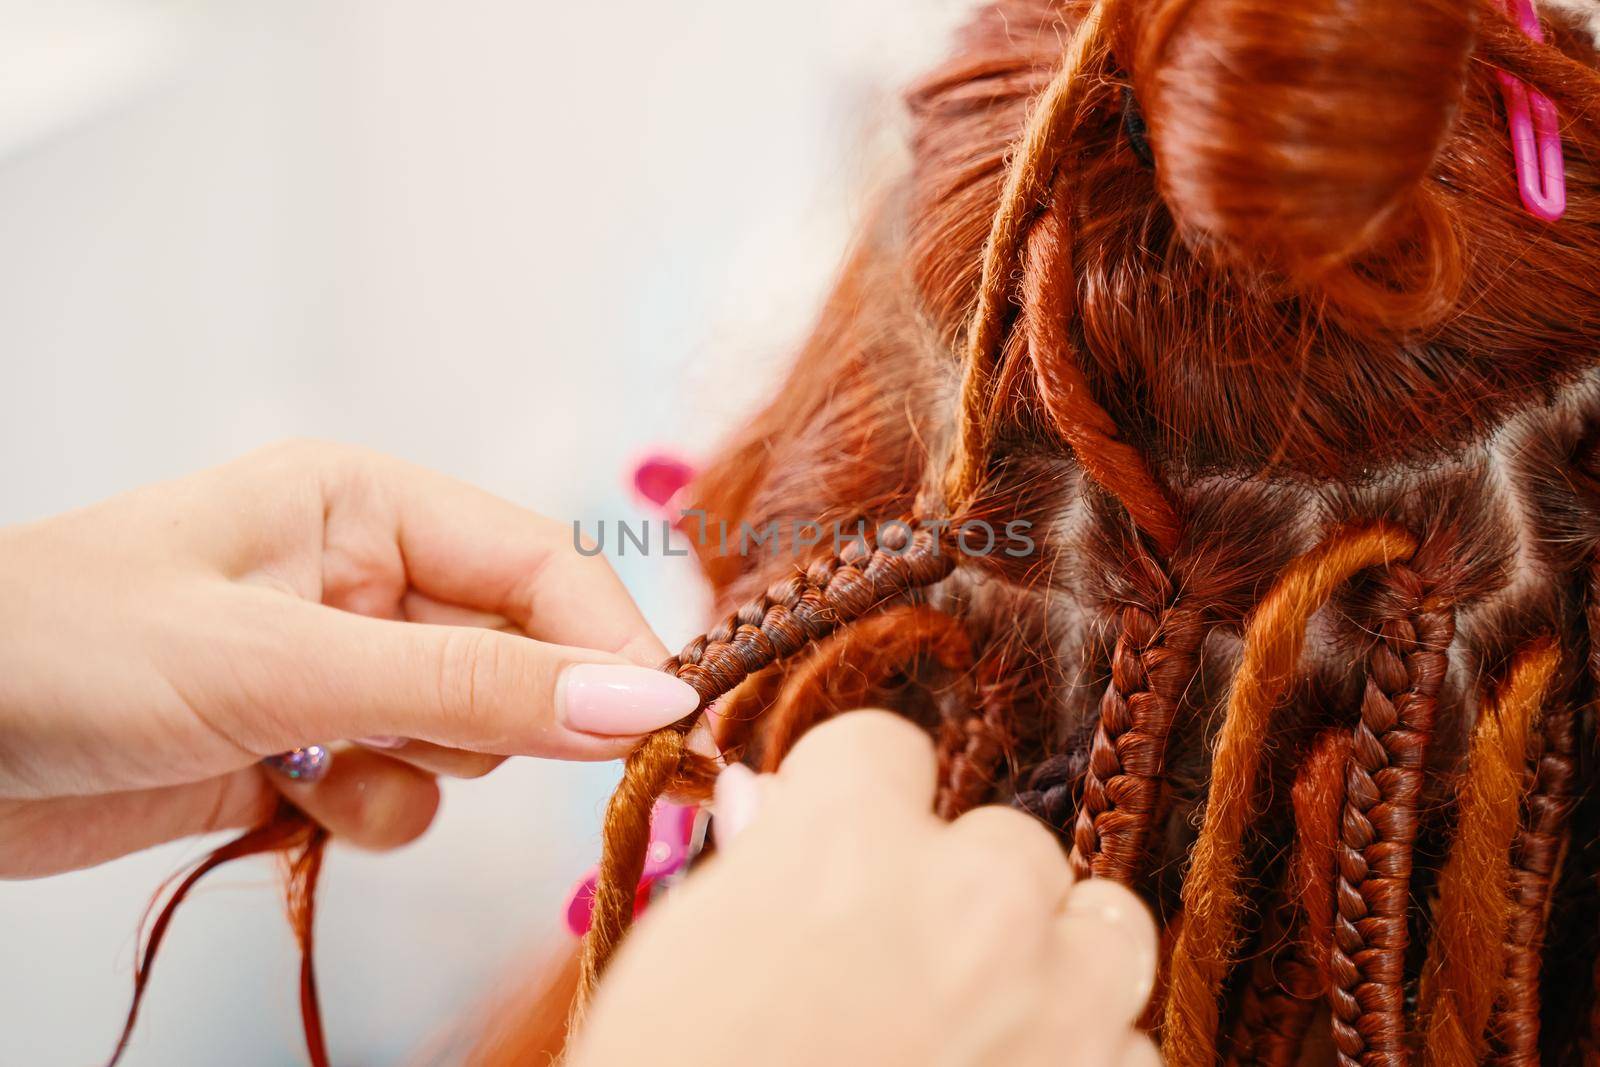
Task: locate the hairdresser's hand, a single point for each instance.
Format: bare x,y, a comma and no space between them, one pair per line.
848,925
155,646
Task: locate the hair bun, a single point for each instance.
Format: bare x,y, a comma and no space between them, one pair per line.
1289,132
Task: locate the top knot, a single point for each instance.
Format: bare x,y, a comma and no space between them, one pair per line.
1294,134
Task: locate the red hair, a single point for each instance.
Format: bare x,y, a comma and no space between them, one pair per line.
1233,302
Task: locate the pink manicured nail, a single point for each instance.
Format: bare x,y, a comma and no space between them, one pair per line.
735,802
382,741
621,700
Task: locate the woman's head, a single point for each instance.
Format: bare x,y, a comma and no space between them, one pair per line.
1234,306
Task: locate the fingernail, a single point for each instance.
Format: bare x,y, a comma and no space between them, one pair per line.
381,741
307,764
621,700
735,801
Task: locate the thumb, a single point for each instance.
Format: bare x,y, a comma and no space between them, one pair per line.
333,674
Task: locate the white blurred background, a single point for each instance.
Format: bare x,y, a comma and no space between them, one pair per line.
515,241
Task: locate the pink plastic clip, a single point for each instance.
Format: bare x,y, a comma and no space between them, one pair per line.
659,477
671,838
1535,131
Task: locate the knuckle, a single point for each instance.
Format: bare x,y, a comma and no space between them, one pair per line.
469,662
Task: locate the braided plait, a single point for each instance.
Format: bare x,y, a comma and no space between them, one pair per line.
1047,790
1462,976
1154,659
1536,855
1405,668
971,747
786,618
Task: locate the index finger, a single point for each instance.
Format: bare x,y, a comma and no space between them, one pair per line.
465,546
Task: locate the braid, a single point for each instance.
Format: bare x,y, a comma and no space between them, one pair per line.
1155,657
807,606
1459,986
1272,645
1047,792
780,622
1536,856
972,746
1405,668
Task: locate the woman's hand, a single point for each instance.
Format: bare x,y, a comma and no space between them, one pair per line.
154,647
847,924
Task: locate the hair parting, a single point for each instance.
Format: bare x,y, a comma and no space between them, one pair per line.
1458,990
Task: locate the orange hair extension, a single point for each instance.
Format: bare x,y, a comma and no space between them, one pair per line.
1081,421
1027,183
1048,299
1460,979
1211,898
1318,798
287,831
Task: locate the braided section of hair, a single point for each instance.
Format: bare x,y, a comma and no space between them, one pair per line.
1155,657
1047,790
810,605
1460,980
971,747
1273,641
1536,856
1405,668
786,618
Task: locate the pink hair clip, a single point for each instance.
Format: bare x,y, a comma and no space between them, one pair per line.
1535,131
676,832
660,477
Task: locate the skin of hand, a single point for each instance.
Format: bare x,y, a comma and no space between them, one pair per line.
155,646
849,925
